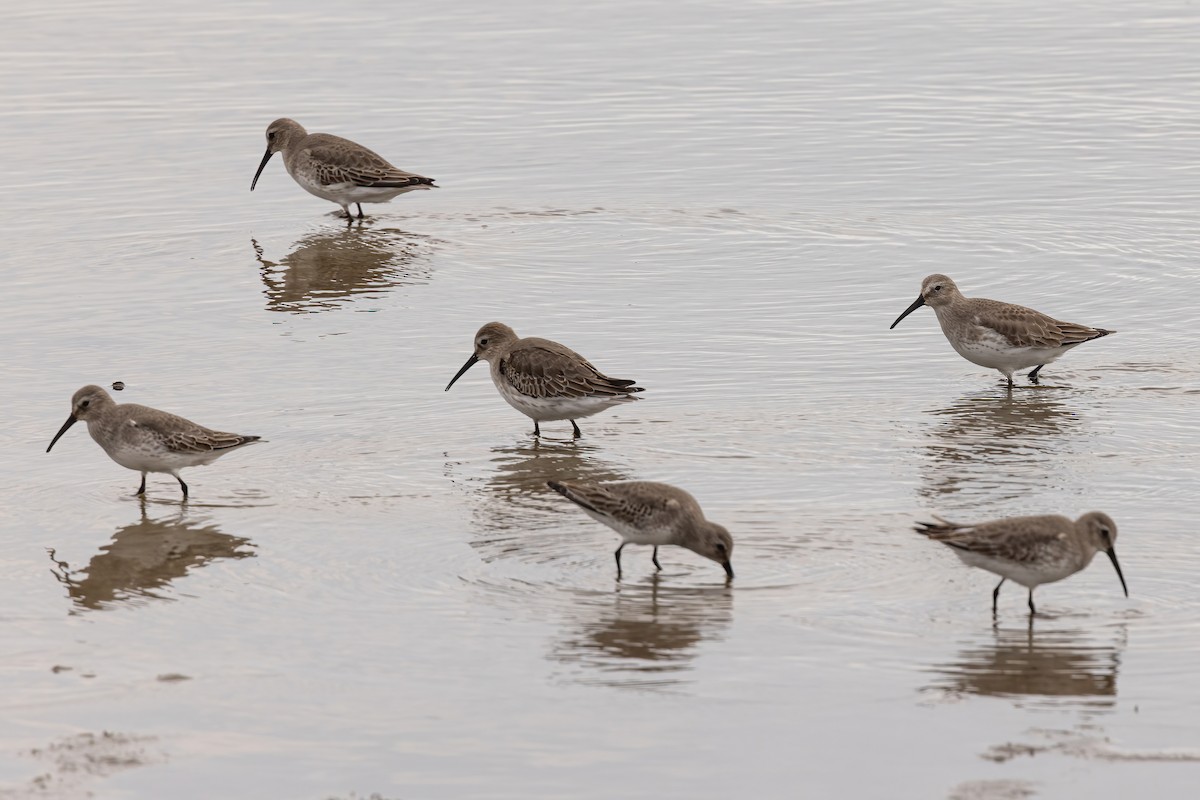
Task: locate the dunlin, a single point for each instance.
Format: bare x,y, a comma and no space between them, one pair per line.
1030,550
336,169
1000,336
543,379
651,513
146,439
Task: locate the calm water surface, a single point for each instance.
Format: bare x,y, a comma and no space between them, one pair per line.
729,202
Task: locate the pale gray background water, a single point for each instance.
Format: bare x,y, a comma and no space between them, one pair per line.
727,201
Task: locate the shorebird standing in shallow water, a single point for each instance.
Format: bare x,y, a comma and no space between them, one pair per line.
145,439
336,169
543,379
1000,336
651,513
1030,550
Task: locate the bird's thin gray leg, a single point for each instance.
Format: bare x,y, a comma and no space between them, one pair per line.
618,556
1033,378
654,558
360,214
537,431
182,486
575,427
1032,610
142,488
996,595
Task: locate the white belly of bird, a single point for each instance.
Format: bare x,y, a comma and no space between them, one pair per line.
549,409
137,449
632,533
1028,575
158,459
995,352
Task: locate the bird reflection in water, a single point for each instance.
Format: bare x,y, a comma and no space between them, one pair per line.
646,635
997,446
327,270
1020,662
519,515
144,558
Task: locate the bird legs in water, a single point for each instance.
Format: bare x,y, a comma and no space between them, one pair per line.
996,598
537,430
1033,377
141,492
654,558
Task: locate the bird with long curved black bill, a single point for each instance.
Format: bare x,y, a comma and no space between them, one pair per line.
1030,550
545,380
337,169
649,513
145,439
1000,336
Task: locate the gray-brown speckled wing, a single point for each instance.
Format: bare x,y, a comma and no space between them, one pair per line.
1024,327
336,160
1021,539
641,504
540,368
177,434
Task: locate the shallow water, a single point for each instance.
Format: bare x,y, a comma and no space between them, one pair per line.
729,203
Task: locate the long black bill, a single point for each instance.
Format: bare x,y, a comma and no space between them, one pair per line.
728,569
71,420
1112,556
470,363
920,301
266,158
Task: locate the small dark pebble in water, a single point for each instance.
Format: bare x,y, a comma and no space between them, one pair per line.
118,385
171,677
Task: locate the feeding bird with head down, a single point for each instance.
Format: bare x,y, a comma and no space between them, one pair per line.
649,513
337,169
1030,550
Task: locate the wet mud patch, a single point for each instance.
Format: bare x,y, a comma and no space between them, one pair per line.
1087,743
74,762
992,790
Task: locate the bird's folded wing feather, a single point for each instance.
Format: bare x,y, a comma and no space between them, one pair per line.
1024,327
183,436
537,371
1013,544
335,164
626,502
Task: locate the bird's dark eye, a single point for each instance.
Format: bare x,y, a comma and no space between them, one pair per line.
483,342
271,134
937,288
1105,532
721,546
84,404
